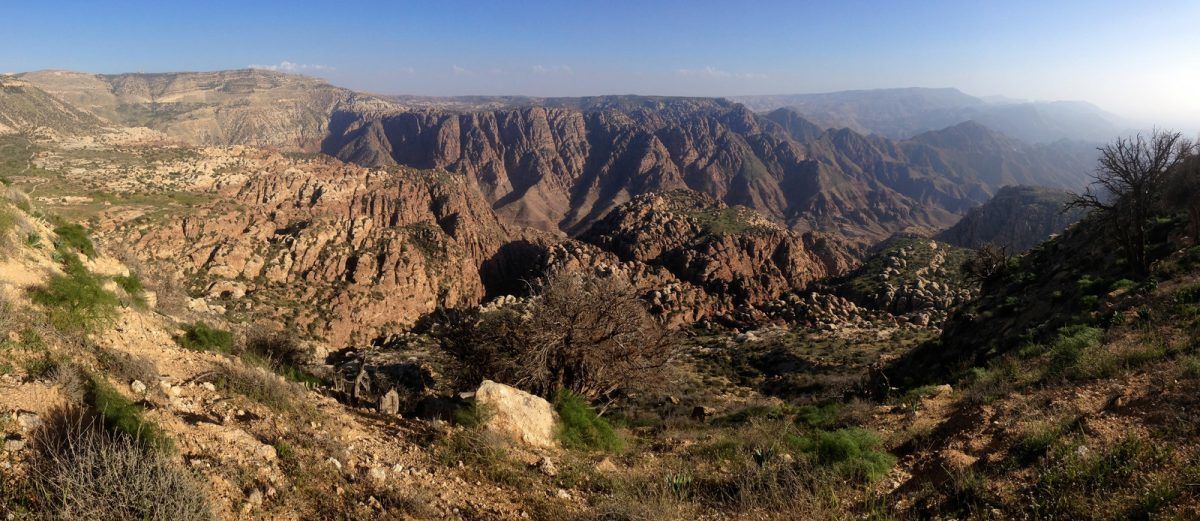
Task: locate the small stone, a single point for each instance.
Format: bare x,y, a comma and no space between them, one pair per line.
563,494
13,445
606,465
209,386
378,474
255,498
28,421
138,387
333,461
547,467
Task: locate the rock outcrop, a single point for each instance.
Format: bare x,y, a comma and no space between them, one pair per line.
1017,218
732,253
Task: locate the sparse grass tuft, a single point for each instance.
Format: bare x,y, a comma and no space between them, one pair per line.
258,385
128,367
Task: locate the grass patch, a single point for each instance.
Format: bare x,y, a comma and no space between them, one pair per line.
133,287
258,385
203,337
76,300
581,428
75,237
123,415
853,453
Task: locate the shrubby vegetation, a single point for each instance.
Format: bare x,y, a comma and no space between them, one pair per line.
81,469
76,300
586,334
203,337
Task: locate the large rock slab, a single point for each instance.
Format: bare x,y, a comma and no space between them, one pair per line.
517,415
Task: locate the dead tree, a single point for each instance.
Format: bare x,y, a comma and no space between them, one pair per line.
1126,186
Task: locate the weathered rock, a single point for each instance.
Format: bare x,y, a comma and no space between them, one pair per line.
517,415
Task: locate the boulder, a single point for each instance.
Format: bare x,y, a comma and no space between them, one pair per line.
517,415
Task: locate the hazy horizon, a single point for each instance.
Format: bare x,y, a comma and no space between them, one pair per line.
1138,64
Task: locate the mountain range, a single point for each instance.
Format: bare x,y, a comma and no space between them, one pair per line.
903,113
562,164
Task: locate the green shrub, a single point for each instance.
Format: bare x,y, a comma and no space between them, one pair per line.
854,453
202,337
74,236
470,415
1089,301
753,412
581,428
33,240
1122,284
76,300
132,286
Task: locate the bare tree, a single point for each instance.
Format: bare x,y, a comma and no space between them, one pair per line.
1126,185
986,263
584,333
1182,191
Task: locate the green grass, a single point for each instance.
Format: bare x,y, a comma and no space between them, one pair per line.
75,237
853,453
41,366
202,337
818,416
123,415
76,300
581,428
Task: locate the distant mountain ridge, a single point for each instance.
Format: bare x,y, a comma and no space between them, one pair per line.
904,113
562,164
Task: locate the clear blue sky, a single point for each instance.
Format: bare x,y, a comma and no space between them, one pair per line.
1134,58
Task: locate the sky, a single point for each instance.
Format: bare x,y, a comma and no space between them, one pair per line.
1140,60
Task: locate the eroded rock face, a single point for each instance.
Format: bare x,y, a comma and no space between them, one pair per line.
1017,218
517,415
567,163
732,253
342,251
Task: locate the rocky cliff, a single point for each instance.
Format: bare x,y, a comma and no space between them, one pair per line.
564,164
1016,218
731,252
236,107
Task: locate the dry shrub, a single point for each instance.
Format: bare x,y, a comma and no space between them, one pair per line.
278,349
78,470
584,333
127,366
260,386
